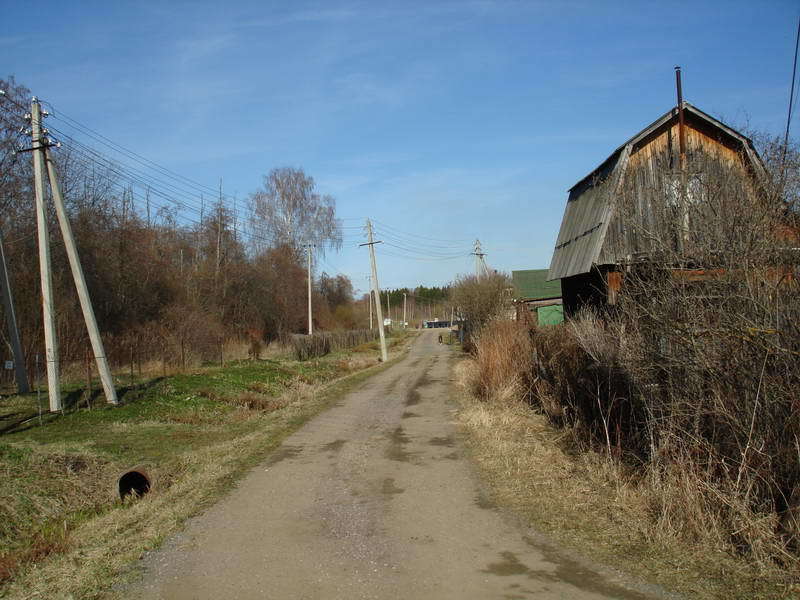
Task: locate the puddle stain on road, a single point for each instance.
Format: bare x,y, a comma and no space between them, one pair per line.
334,446
397,441
389,488
409,415
412,397
510,565
446,441
284,452
482,501
575,573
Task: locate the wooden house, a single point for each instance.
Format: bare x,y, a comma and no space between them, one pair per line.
596,242
536,300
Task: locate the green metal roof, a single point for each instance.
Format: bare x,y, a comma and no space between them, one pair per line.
532,284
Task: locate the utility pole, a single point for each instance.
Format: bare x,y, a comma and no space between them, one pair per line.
49,324
369,278
376,289
11,321
219,231
80,283
388,307
147,202
404,310
308,253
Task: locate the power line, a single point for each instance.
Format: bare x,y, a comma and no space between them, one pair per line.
791,91
390,227
60,115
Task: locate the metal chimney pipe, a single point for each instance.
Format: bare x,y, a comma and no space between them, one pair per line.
681,124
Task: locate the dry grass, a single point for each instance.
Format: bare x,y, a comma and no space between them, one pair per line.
657,527
503,357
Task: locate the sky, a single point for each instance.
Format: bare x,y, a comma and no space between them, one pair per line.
445,122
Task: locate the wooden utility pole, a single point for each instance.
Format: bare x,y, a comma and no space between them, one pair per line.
11,322
49,324
310,325
80,283
404,310
388,307
376,290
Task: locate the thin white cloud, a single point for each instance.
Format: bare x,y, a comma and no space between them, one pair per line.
189,50
12,40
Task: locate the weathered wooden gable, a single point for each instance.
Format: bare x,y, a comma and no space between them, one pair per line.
645,168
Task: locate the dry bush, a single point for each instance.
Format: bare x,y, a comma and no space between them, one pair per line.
503,357
706,470
478,300
320,344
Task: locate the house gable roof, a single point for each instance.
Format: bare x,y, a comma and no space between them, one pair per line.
589,206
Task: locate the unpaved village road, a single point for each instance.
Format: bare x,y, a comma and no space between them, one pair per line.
372,499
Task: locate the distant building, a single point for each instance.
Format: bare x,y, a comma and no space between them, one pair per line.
537,300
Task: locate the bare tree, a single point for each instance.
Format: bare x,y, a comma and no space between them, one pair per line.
479,299
288,211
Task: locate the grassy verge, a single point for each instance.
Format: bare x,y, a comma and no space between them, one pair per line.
590,503
63,532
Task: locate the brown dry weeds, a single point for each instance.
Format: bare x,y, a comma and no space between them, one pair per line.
655,529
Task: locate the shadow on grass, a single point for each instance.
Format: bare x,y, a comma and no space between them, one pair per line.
72,401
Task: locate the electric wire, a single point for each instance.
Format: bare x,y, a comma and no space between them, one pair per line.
173,191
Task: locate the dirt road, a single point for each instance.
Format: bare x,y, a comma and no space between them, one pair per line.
372,499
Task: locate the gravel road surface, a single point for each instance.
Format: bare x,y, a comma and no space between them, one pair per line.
372,499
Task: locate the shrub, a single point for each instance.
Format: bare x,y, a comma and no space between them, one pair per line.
503,358
320,344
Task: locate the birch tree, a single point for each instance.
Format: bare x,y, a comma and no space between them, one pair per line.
287,210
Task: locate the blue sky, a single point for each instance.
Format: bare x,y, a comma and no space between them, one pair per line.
443,120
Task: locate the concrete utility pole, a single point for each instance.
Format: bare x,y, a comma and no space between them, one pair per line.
404,310
369,278
80,284
49,324
376,290
11,321
310,324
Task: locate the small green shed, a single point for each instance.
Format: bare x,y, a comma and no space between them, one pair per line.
537,300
